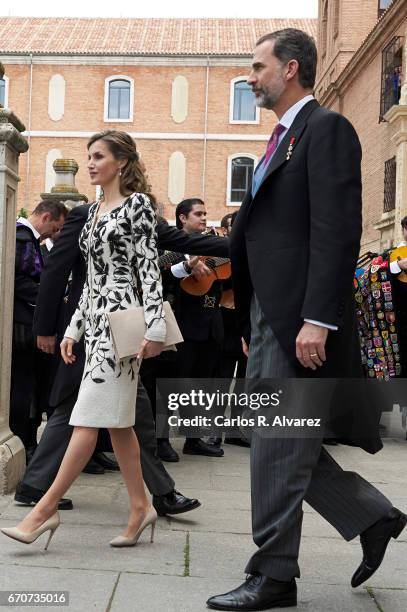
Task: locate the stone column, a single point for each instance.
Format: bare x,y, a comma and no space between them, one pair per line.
12,143
64,189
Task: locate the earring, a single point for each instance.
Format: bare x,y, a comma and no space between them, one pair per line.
120,172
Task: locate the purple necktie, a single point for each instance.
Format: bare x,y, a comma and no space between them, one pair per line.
273,142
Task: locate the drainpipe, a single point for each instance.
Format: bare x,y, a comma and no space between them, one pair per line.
27,173
205,128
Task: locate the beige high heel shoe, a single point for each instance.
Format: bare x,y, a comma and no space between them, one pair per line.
150,519
50,525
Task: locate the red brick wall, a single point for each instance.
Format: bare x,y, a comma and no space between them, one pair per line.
84,104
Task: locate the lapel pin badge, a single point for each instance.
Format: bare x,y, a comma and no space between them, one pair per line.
290,148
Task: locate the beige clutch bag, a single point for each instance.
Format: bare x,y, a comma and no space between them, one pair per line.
128,328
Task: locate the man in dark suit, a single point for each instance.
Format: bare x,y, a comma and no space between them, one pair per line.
302,218
27,399
199,319
50,322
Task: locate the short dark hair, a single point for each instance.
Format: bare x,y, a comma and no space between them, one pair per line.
225,220
404,222
184,208
290,44
55,209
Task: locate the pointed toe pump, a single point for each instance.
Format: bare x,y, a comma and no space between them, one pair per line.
150,519
50,525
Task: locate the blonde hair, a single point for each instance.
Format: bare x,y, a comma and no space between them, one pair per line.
122,146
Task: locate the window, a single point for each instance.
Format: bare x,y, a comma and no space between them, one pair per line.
391,75
4,91
336,18
383,5
389,185
240,173
243,107
324,27
119,95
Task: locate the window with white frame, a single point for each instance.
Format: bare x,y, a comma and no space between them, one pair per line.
4,91
119,97
243,107
240,173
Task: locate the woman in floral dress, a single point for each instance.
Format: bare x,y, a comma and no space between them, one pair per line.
118,242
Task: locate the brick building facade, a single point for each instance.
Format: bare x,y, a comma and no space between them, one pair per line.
177,85
362,68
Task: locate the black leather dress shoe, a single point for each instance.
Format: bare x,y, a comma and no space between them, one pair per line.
374,541
330,442
199,447
214,441
165,451
238,442
257,593
29,496
93,468
174,503
105,462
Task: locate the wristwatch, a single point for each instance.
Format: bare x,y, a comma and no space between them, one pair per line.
187,267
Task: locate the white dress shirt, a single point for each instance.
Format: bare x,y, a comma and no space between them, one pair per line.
288,118
24,221
178,269
49,244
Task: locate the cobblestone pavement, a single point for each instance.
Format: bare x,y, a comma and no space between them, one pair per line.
201,553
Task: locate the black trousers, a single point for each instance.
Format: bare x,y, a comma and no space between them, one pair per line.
227,365
32,374
22,396
44,465
196,359
163,366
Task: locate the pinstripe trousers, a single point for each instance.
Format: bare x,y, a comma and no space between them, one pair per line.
285,471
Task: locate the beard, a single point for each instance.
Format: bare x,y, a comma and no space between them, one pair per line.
268,97
266,100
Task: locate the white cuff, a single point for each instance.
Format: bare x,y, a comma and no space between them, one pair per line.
327,325
73,333
395,268
178,270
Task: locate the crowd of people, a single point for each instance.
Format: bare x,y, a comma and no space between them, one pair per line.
299,223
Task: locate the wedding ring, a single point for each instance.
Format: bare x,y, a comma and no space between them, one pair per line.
314,355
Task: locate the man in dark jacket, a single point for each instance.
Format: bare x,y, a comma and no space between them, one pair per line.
199,319
27,365
64,259
301,219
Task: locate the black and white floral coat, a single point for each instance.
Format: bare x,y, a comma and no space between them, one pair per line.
121,254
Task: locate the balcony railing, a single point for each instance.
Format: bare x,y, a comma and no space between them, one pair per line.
391,75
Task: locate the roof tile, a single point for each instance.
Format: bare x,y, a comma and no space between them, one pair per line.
51,35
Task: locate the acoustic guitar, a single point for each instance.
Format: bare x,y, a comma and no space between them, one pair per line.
219,266
220,270
396,255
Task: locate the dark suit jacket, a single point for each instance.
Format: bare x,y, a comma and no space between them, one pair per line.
28,267
296,243
66,258
196,321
